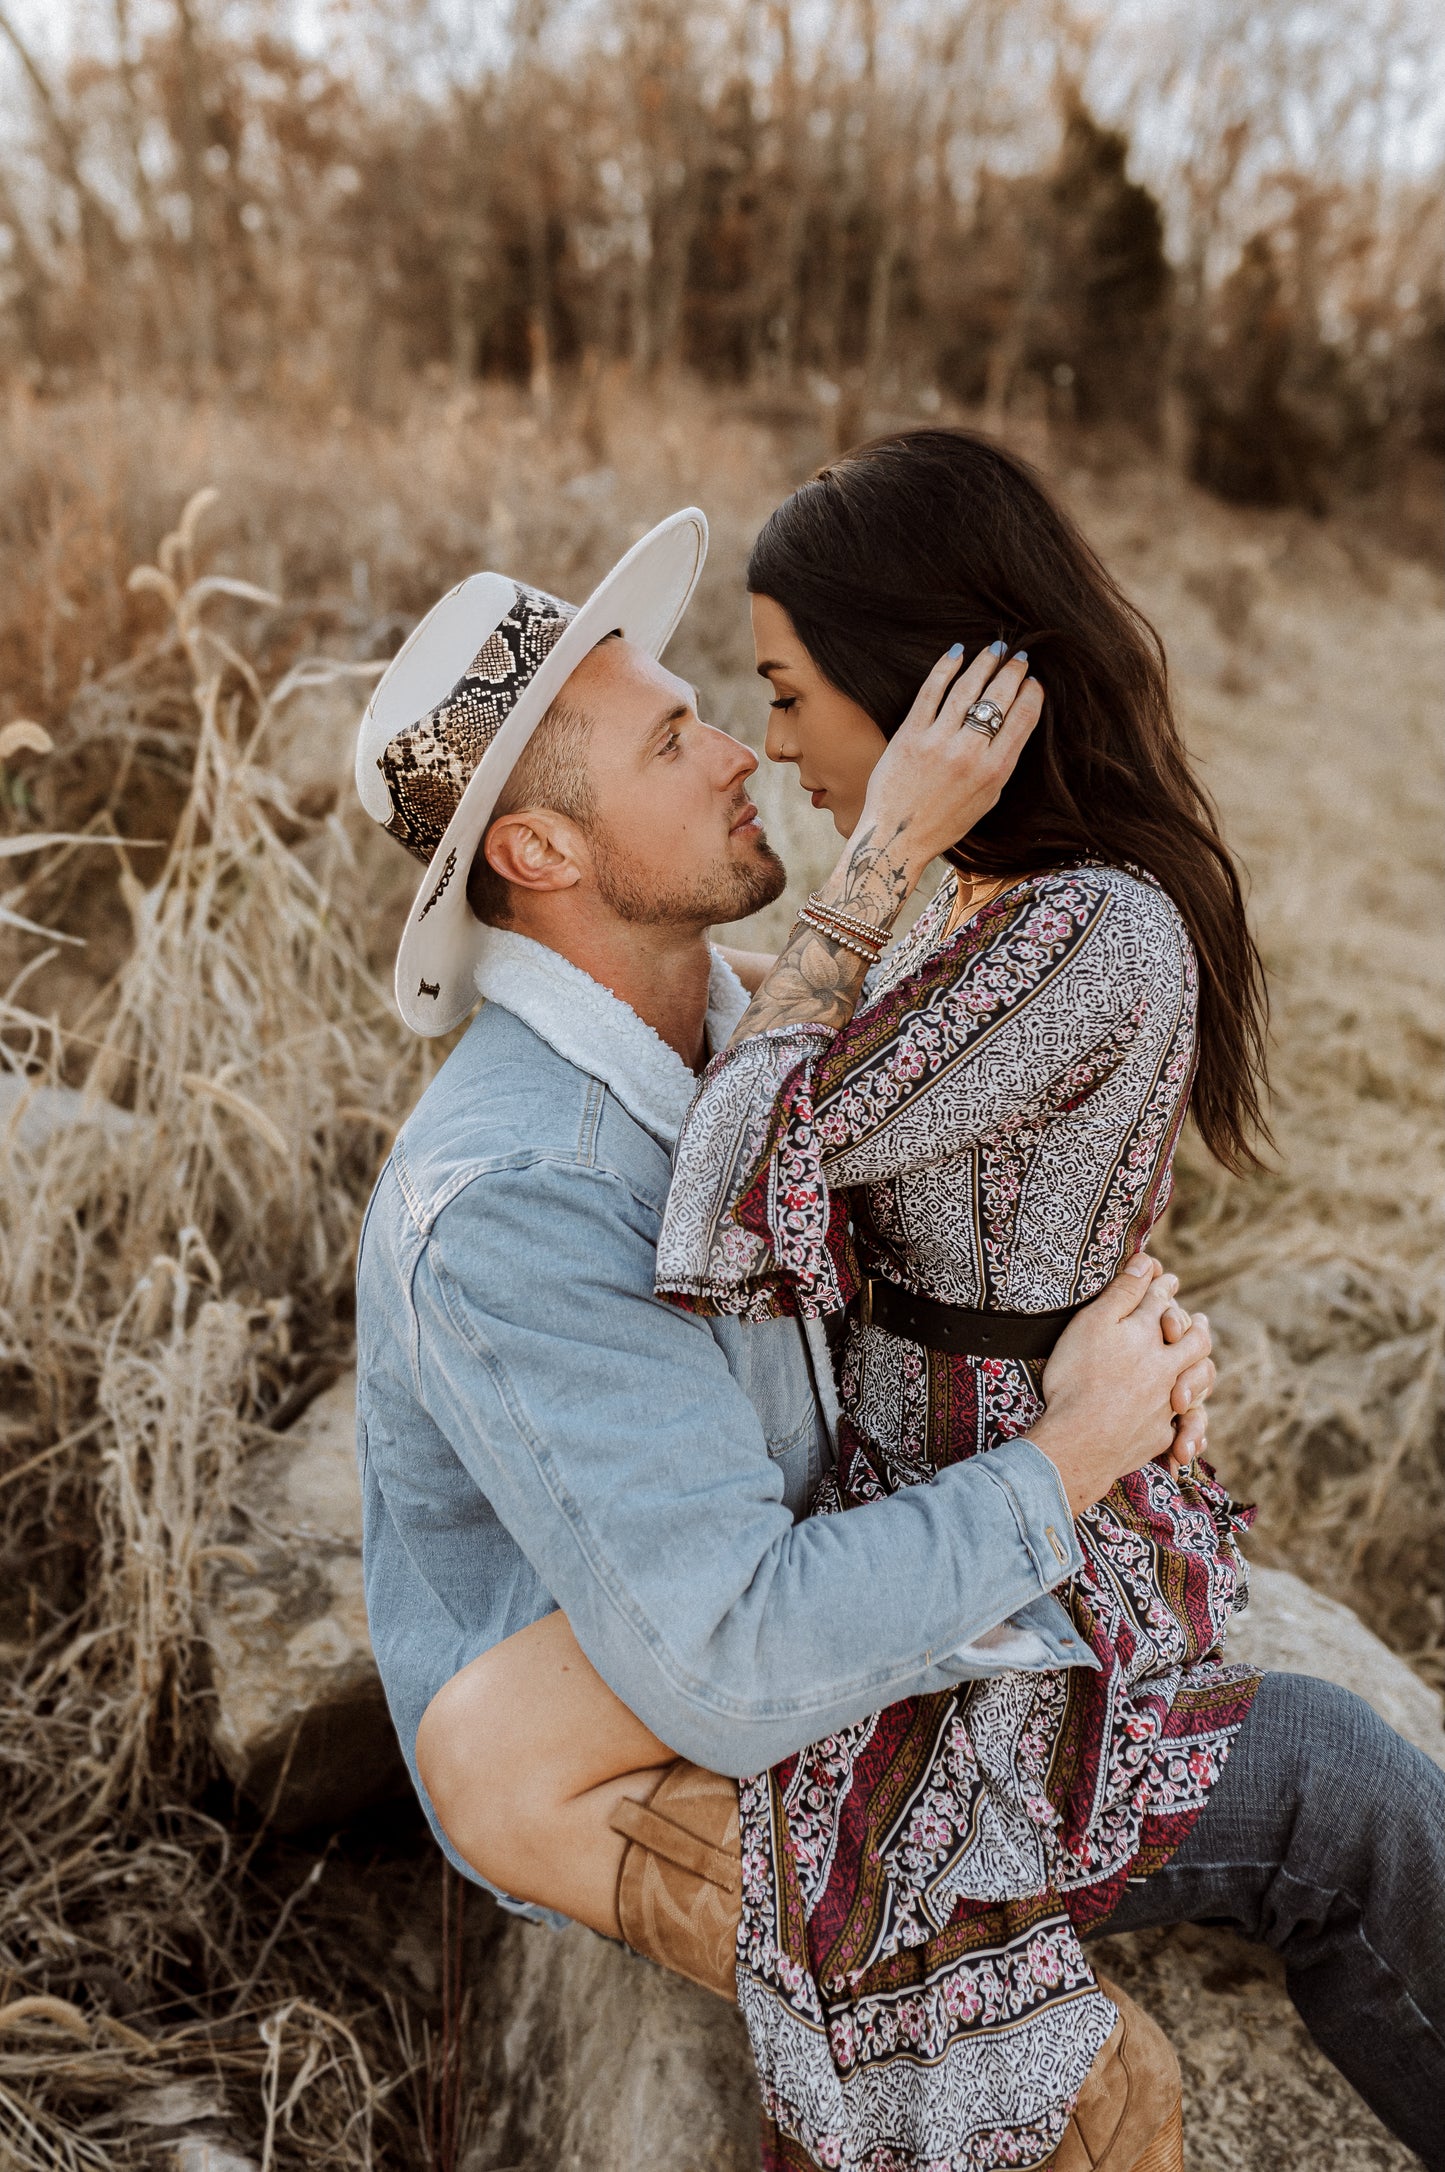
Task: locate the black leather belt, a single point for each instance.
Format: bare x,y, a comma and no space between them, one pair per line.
960,1330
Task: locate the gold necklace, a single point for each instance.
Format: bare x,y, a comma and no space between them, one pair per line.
978,895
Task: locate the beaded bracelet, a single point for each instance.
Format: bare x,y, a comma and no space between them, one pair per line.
865,928
870,948
849,923
872,940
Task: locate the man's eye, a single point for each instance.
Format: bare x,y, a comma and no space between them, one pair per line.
672,742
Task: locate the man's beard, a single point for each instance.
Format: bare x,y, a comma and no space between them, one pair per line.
728,890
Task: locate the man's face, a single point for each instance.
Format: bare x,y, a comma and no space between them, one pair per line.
674,838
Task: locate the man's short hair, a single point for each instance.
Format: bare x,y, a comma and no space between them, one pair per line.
552,773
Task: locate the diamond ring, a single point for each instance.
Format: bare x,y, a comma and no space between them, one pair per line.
986,717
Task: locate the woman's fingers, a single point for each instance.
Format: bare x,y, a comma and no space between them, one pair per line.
935,778
1000,684
1023,714
947,692
972,682
930,696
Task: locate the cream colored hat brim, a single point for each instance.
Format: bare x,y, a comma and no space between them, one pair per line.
643,597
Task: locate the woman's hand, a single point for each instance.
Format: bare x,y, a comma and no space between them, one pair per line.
933,781
939,775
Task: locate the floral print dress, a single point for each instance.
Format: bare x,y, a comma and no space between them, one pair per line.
995,1129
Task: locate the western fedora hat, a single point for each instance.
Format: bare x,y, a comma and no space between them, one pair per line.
452,715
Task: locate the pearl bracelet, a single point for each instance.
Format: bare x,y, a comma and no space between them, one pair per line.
864,929
867,944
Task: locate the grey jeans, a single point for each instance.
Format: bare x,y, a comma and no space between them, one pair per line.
1325,1839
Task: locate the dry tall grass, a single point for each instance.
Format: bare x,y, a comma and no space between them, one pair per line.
175,1268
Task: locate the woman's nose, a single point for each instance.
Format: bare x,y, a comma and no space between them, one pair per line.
775,745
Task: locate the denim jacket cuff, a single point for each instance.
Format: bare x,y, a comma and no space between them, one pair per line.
1041,1508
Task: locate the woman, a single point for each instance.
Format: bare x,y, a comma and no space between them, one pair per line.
972,1155
990,1136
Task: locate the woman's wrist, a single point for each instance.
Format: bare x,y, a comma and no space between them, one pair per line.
874,876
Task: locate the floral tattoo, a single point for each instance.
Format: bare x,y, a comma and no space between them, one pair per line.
816,980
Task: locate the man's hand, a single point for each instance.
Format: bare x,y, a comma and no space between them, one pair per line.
1191,1426
1115,1386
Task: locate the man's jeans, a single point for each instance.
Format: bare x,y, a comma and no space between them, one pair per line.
1325,1839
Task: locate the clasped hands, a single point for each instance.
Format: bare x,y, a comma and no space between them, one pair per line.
1126,1385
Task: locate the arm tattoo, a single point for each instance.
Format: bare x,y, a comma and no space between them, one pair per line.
817,981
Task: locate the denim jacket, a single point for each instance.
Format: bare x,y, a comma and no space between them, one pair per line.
537,1429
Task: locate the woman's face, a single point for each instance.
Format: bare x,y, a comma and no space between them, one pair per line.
833,742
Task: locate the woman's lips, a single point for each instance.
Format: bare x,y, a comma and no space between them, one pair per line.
818,797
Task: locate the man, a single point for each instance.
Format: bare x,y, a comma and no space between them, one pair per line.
537,1432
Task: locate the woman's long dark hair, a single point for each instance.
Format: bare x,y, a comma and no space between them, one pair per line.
932,536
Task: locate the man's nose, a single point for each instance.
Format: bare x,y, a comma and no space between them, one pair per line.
735,761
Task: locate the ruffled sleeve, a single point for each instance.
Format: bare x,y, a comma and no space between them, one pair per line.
751,1225
1024,1014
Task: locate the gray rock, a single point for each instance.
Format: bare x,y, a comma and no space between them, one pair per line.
202,2153
299,1718
1293,1629
1258,2097
583,2058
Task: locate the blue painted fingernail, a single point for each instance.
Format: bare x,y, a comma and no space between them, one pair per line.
955,652
1021,656
996,648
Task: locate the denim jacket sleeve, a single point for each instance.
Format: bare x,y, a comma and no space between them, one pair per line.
615,1445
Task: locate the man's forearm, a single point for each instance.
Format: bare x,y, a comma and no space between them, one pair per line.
845,1615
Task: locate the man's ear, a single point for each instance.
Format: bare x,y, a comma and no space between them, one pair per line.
535,849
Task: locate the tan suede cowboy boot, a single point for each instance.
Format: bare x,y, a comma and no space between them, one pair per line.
680,1888
1130,2116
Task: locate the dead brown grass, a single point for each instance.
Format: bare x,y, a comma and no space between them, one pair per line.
176,1266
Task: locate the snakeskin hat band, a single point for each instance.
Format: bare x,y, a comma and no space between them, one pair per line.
450,719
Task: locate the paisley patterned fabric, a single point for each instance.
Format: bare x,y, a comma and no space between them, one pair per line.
995,1128
428,766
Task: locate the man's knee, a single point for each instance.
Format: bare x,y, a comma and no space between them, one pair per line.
1351,1791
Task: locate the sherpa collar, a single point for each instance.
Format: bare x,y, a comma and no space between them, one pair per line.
595,1030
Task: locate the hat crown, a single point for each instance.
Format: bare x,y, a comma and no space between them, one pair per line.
427,766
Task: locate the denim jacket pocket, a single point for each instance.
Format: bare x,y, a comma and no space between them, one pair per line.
799,1462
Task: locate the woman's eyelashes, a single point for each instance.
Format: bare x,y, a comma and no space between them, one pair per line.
783,701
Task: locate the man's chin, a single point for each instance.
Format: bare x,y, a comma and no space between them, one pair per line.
738,886
755,882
